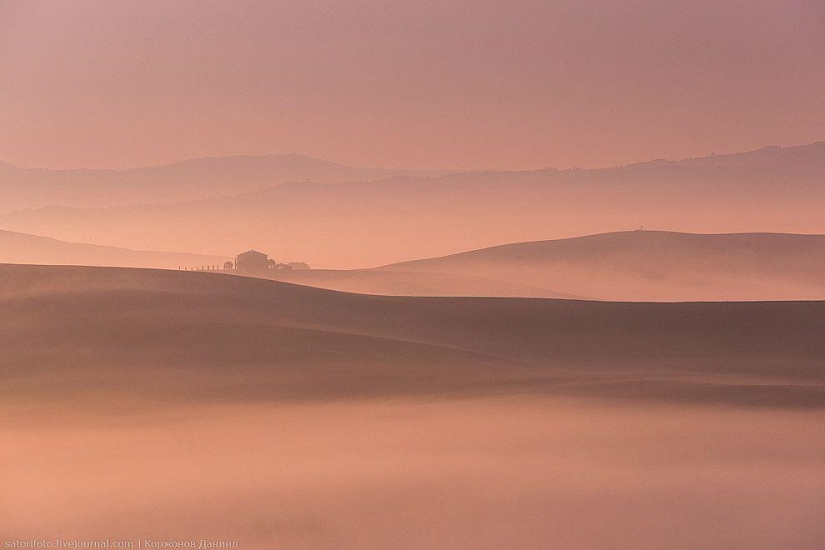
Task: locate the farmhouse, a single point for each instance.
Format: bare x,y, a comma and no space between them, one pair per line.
252,261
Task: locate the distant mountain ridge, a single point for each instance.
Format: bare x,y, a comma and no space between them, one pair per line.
193,179
811,151
768,163
353,224
181,181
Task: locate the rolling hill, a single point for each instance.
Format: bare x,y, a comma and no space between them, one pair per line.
652,266
21,248
199,406
184,335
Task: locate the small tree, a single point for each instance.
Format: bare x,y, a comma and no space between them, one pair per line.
227,266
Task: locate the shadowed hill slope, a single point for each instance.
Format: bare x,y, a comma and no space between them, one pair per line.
653,266
101,334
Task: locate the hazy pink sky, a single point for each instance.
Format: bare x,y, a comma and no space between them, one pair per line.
425,83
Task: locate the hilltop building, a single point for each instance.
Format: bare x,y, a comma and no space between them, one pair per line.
252,261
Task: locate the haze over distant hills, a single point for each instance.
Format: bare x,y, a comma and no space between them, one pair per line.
412,283
21,248
357,224
653,266
631,266
187,180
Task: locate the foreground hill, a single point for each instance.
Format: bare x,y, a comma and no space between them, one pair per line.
188,180
188,334
20,248
652,266
184,407
367,223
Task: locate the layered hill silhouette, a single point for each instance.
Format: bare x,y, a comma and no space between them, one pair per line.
357,224
103,336
628,266
21,248
652,266
187,180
